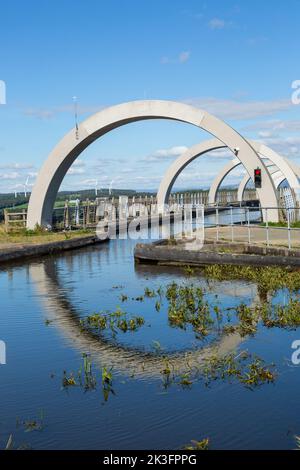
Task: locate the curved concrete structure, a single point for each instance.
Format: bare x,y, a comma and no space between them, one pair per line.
289,172
199,149
180,163
277,176
226,170
70,147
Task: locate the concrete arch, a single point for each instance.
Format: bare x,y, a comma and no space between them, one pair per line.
199,149
69,148
266,152
180,163
277,176
226,170
289,171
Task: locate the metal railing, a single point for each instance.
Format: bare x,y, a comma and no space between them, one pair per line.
251,224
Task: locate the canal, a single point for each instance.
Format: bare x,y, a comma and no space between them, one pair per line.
69,386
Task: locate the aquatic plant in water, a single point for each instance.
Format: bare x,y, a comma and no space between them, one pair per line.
188,270
114,321
149,292
107,382
282,316
32,424
244,368
86,377
268,278
68,380
248,370
198,445
188,307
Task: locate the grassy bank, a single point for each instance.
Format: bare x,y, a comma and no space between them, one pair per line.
281,224
38,236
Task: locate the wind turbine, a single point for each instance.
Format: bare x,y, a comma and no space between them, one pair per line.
110,188
25,186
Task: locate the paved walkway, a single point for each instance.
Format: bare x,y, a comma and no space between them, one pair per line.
258,235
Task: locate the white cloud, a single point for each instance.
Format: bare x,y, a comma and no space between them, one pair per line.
10,176
216,23
87,182
265,134
39,113
77,168
49,113
287,146
79,163
275,125
231,109
75,171
194,178
219,153
171,152
32,174
166,154
16,166
182,57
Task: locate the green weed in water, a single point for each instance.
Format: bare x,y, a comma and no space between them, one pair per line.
107,382
198,445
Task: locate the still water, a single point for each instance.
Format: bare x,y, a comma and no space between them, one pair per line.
42,302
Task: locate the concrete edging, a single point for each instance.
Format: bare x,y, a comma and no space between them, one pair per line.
212,253
29,251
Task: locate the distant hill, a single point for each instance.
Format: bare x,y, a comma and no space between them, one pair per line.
8,200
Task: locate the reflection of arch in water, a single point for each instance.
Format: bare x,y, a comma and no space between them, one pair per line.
122,358
74,143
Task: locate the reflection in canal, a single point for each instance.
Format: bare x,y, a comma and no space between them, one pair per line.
128,360
42,303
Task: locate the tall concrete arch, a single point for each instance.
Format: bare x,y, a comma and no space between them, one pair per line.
70,147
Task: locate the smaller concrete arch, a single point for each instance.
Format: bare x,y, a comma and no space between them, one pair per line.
226,170
200,149
179,165
289,171
277,176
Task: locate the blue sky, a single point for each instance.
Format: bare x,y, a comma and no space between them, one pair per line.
236,59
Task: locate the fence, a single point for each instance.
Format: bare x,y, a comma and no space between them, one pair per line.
14,220
245,224
86,214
